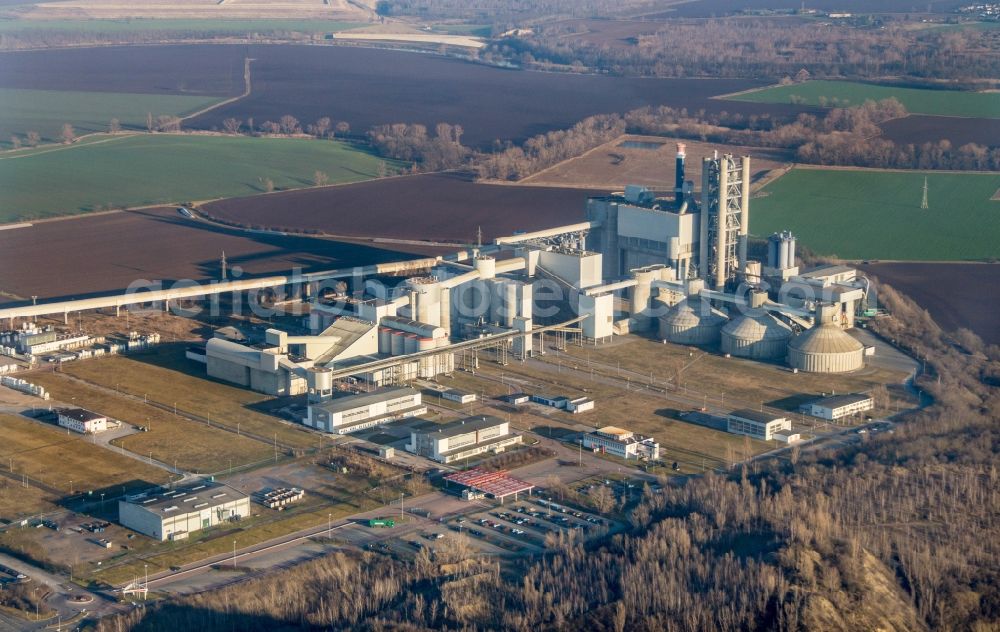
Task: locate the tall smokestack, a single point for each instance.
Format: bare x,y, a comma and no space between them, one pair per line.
679,175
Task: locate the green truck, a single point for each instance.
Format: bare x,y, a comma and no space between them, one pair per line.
381,522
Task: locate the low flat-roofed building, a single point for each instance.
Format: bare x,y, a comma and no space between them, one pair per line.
342,415
515,399
83,421
756,424
172,514
462,397
550,400
786,436
839,406
622,443
463,439
580,405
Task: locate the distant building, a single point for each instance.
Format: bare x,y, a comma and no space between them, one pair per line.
342,415
515,399
172,514
82,421
786,436
622,443
462,397
580,405
839,406
463,439
549,400
759,425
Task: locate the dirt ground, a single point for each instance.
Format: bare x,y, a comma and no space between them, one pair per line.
619,162
84,255
201,9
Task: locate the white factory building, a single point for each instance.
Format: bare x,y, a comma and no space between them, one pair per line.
756,424
463,439
839,406
173,514
342,415
82,421
621,443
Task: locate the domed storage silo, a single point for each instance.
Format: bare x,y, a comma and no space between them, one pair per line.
693,321
826,348
756,335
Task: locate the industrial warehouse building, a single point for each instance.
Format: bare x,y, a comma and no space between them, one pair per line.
839,406
759,425
83,421
172,514
622,443
463,439
342,415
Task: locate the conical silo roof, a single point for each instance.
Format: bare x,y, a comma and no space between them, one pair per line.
827,338
757,324
694,311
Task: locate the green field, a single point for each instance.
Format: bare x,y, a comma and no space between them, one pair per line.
45,111
146,169
876,214
847,93
179,26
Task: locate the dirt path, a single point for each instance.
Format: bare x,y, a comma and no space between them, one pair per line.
246,93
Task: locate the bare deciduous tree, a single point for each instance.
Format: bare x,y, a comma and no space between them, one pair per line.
15,142
32,139
67,134
289,124
232,125
320,178
114,126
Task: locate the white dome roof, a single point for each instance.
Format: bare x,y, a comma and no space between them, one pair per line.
827,338
757,324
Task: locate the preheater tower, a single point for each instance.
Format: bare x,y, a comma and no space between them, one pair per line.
725,218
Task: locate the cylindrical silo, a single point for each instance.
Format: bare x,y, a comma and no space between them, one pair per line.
445,316
428,291
384,340
640,296
791,250
783,254
486,266
410,343
773,254
425,344
398,343
756,335
826,348
693,321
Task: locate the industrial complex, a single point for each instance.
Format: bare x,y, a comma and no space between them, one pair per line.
378,373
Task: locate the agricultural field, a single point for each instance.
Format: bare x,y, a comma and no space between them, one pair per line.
953,294
849,93
175,440
649,161
449,207
167,377
45,111
107,252
58,459
194,9
860,214
168,27
918,129
718,8
149,169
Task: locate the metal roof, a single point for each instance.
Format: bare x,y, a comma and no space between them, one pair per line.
839,401
692,312
497,484
80,414
756,415
757,324
464,426
351,402
185,499
825,339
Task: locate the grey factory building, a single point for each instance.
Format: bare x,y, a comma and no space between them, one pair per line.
172,514
463,439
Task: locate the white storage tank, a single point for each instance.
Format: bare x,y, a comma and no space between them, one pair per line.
693,321
384,340
826,348
398,343
756,335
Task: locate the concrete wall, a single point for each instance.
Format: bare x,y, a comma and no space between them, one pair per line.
228,371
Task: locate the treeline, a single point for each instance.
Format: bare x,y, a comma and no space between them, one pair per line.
412,143
545,150
765,48
507,12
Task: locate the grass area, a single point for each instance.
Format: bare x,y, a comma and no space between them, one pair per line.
178,27
146,169
876,214
17,501
68,462
330,494
174,440
168,377
45,111
849,93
